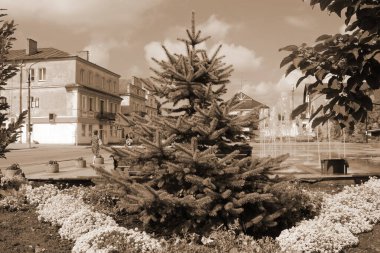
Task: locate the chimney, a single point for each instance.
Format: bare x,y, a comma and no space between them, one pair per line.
31,47
85,54
137,82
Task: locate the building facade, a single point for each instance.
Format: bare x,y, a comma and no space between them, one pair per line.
70,97
134,97
248,105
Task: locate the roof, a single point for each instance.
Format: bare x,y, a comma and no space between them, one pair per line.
43,53
247,102
46,54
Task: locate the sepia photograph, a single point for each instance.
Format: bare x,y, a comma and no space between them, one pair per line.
189,126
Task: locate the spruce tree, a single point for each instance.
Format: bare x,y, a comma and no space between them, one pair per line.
10,133
185,179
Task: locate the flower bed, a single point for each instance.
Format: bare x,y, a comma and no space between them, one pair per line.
354,210
91,231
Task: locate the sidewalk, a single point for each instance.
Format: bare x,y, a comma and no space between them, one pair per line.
36,169
364,161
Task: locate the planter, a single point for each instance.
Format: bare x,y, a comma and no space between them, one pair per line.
53,168
334,166
81,163
99,160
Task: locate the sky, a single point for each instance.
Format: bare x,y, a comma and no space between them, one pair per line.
123,35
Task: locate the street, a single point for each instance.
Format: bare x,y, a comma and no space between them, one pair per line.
34,160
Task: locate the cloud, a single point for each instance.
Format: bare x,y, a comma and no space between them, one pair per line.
100,50
91,13
134,71
264,92
299,22
215,28
154,49
243,59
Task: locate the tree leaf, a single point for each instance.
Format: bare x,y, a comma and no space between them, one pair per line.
286,60
323,37
324,3
297,61
298,110
300,80
320,47
319,120
320,74
289,48
289,69
316,112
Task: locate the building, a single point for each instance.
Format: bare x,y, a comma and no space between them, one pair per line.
248,105
151,104
134,97
70,96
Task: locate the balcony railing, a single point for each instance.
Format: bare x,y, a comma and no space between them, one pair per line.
106,116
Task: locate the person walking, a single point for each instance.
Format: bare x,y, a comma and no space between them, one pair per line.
95,145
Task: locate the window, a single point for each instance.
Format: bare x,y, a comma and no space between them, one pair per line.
84,105
109,85
32,76
96,80
83,129
115,87
89,130
81,76
91,105
42,74
90,78
35,102
111,131
103,83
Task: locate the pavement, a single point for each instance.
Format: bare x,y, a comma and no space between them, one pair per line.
303,163
36,167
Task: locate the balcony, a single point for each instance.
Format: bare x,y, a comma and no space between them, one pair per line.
106,116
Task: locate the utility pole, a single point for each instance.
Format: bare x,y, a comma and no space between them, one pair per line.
28,99
20,102
28,133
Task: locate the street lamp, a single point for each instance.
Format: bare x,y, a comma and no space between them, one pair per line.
28,135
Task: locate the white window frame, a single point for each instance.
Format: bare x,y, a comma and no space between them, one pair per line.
91,104
84,103
41,74
81,76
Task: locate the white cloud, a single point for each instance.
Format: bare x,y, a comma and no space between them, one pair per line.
92,13
268,92
243,59
100,50
154,49
215,28
299,22
134,71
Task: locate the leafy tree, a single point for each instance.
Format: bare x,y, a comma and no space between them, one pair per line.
7,134
184,176
346,66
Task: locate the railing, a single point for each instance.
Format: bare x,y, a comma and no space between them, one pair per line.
106,116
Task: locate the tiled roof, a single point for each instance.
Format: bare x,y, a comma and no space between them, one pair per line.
43,53
247,102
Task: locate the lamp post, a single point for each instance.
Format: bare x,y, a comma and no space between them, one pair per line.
28,135
28,99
